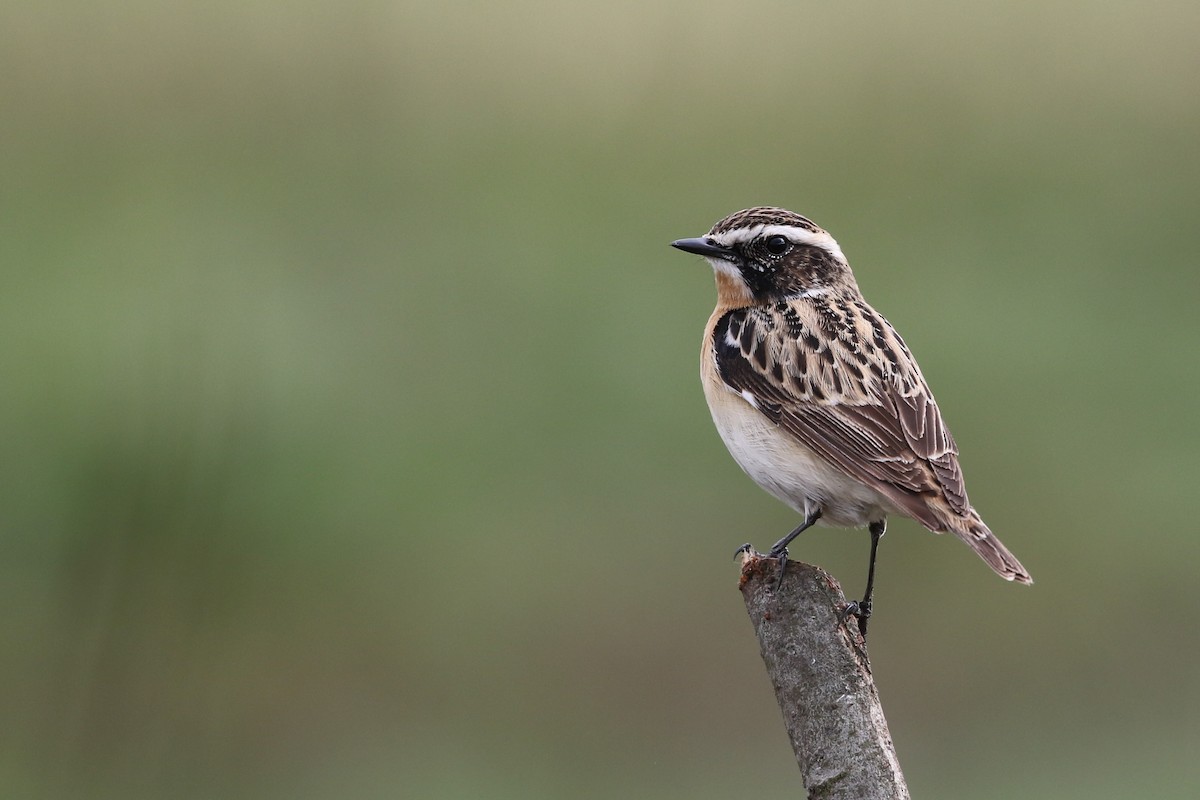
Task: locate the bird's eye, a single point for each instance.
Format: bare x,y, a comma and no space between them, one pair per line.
777,245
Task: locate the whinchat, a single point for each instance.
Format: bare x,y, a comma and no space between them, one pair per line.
817,397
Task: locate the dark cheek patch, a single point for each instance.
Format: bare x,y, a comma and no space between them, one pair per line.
772,278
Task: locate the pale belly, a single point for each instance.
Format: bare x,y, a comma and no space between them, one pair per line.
788,470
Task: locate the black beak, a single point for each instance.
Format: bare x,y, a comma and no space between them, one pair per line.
703,247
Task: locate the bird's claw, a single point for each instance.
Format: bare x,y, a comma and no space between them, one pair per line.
782,555
861,611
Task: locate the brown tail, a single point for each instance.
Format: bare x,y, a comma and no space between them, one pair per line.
981,539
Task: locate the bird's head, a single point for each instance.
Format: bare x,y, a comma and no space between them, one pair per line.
765,254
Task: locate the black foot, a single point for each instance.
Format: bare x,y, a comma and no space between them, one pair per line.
782,555
779,550
776,552
861,612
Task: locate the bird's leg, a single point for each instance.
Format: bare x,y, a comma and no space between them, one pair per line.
862,609
780,547
779,550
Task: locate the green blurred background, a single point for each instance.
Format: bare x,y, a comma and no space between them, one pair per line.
353,440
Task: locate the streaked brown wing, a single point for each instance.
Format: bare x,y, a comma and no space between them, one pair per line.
857,399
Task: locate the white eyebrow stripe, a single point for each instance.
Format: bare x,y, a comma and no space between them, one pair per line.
796,234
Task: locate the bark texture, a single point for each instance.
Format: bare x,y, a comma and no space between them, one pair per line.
818,665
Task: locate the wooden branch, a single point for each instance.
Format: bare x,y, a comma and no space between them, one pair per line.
818,665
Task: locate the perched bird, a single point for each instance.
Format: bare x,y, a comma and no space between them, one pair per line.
817,397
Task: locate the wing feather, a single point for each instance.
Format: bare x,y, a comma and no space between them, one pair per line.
845,386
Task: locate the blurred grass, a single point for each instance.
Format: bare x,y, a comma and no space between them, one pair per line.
353,411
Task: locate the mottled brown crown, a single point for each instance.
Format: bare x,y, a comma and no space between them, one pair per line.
763,215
